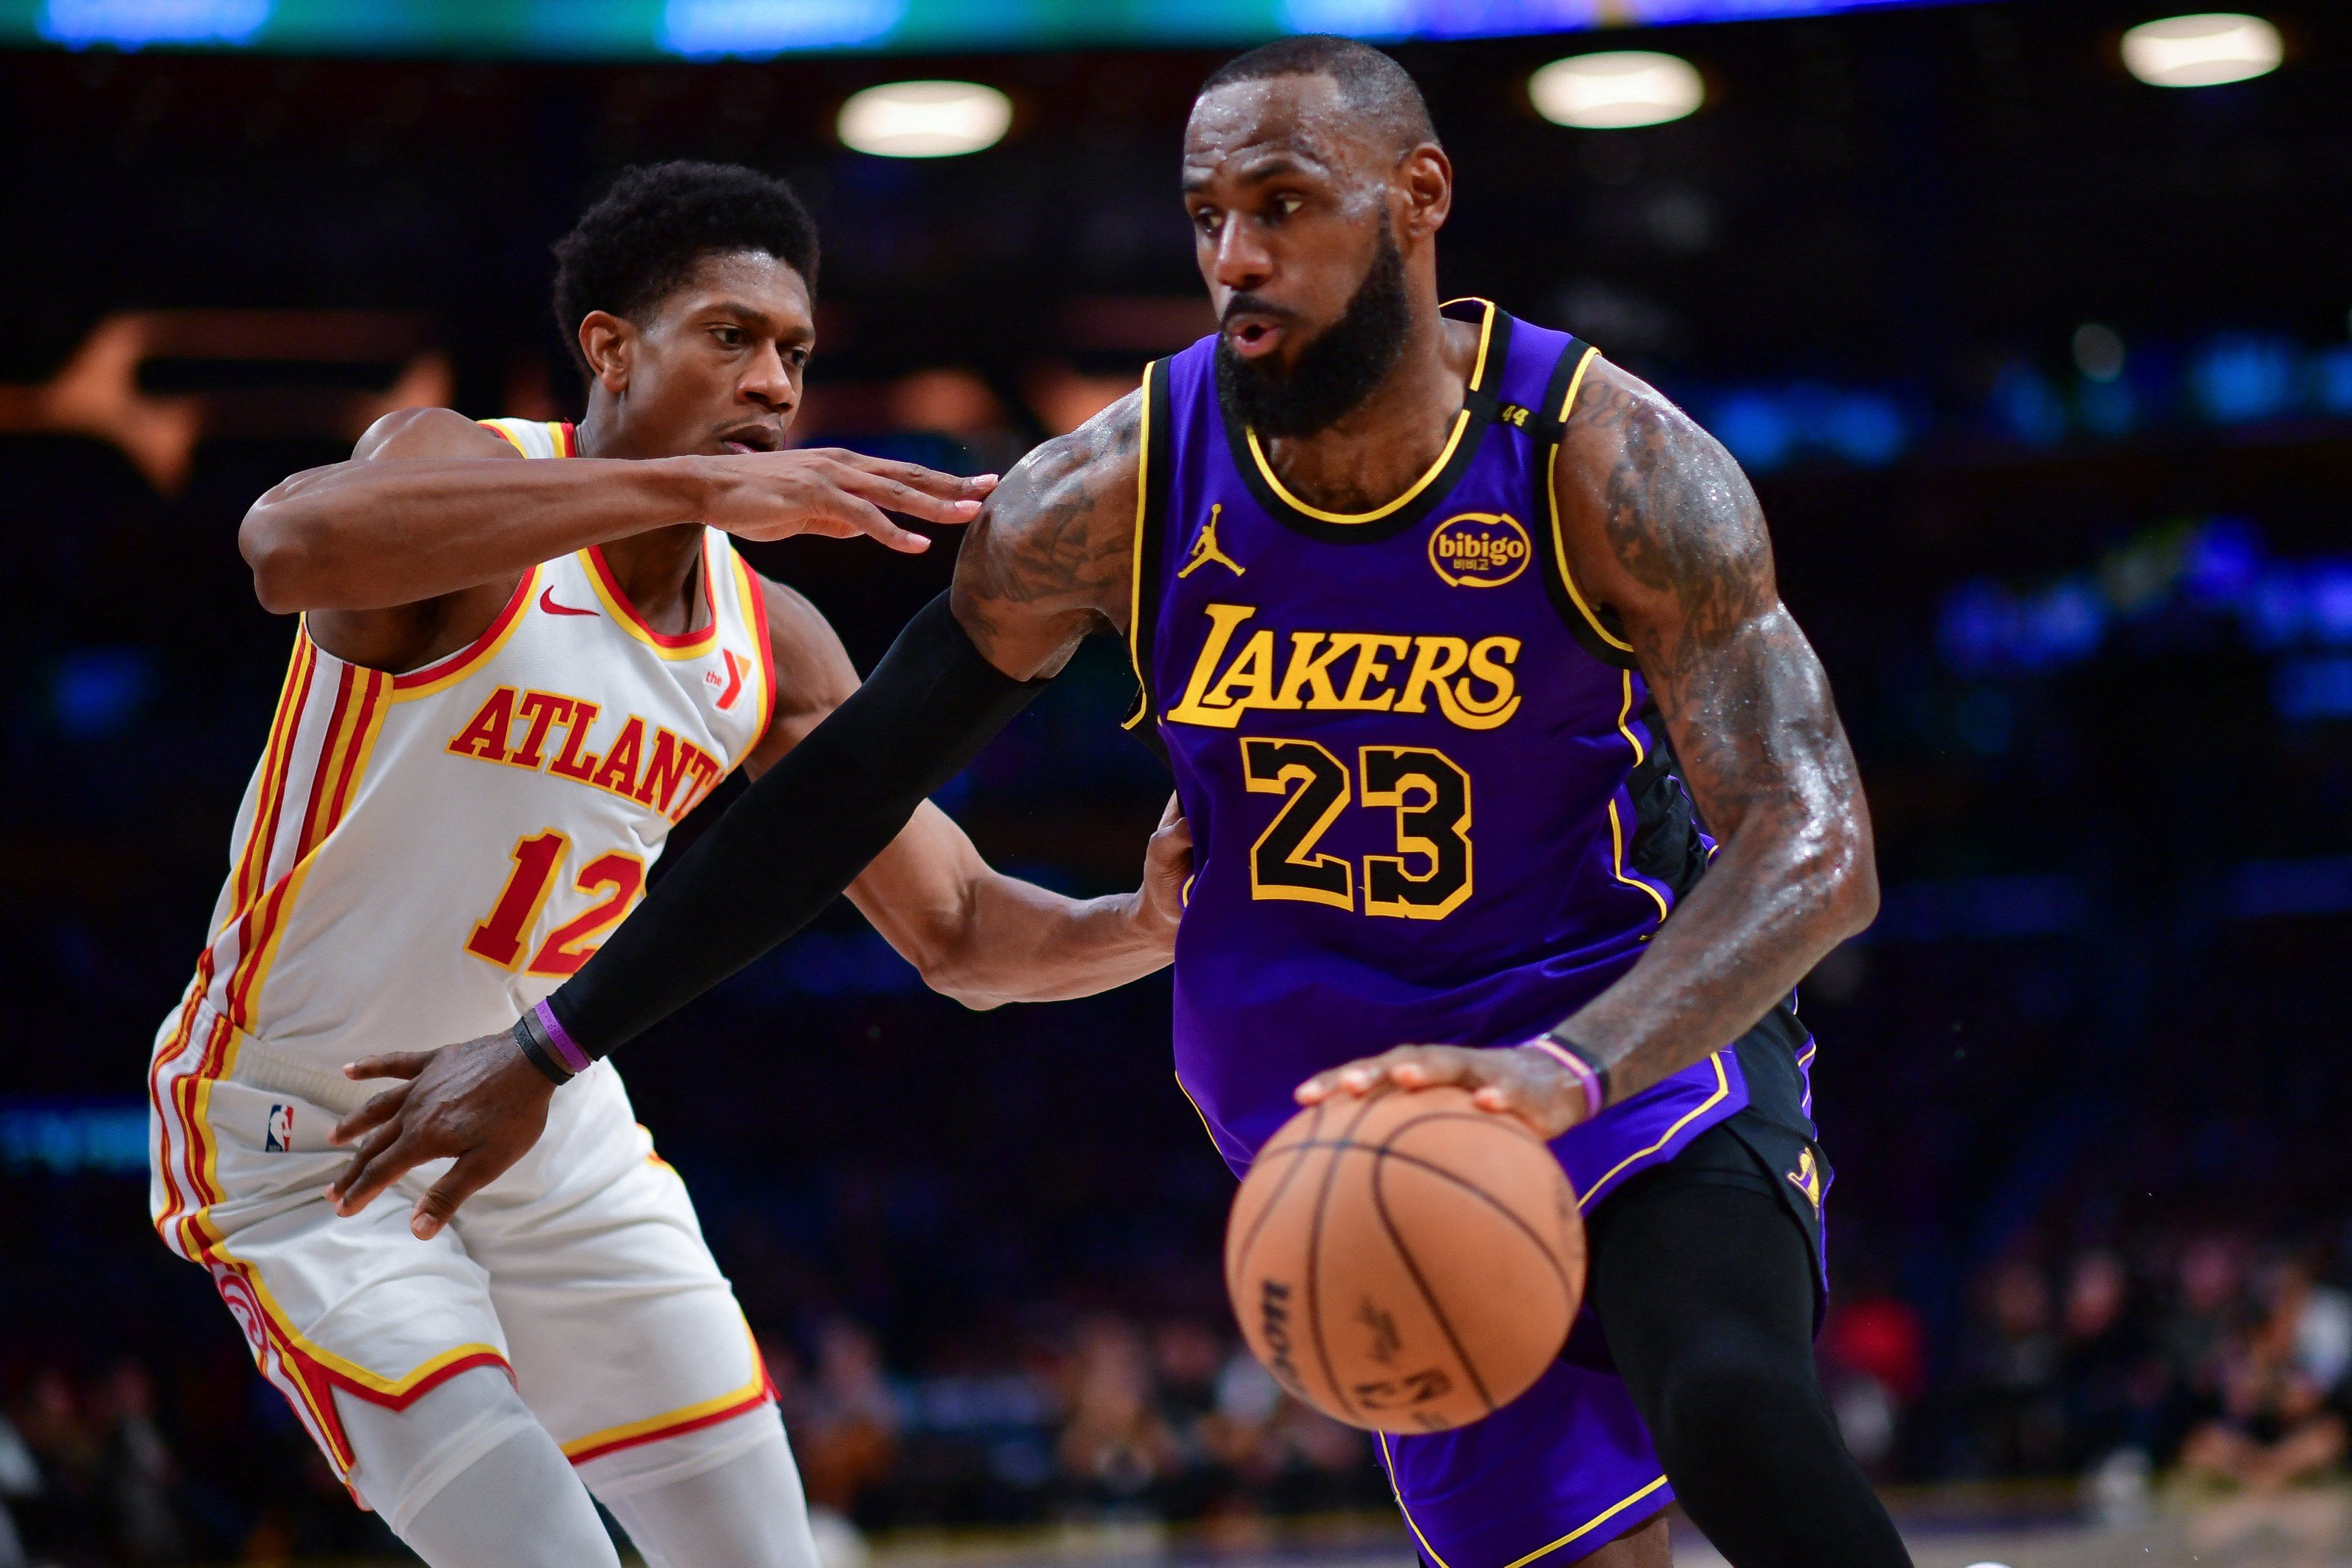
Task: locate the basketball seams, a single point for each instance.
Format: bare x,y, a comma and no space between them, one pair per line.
1274,1200
1314,1269
1412,1267
1484,1196
1420,1163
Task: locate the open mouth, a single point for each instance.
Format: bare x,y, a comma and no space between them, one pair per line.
1252,337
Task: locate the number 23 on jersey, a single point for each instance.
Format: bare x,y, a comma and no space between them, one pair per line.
1429,876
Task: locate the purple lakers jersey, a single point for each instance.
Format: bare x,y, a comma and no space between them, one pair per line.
1427,804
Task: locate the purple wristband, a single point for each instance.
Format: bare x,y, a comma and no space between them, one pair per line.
1596,1093
571,1055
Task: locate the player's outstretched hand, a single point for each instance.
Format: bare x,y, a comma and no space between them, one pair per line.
1518,1082
481,1103
838,493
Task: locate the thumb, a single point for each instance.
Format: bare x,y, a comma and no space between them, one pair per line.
438,1206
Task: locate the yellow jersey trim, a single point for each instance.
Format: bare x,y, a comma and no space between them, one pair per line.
1616,831
1722,1091
1551,497
1461,424
1135,568
753,1391
684,646
1582,1531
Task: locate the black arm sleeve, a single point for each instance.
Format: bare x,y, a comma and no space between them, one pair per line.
801,834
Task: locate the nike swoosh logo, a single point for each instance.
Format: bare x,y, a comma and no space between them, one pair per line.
547,602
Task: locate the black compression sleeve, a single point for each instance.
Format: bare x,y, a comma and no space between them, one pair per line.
801,834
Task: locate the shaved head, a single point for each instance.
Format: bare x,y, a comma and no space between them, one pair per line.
1373,90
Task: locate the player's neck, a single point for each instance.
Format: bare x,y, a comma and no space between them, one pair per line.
659,572
1379,448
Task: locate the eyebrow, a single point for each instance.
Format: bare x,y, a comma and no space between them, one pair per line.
1273,166
751,315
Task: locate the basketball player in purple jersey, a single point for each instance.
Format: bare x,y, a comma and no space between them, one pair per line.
1453,633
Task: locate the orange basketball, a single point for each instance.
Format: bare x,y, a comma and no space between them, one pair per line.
1405,1261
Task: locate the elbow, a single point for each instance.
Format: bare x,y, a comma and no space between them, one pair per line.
949,968
281,565
1853,880
959,983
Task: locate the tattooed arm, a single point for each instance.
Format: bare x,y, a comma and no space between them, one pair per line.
1662,526
1046,564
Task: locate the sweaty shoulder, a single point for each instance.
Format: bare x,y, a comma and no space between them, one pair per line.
1049,559
430,433
1656,516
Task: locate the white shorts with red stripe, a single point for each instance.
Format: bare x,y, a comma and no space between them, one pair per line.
581,1270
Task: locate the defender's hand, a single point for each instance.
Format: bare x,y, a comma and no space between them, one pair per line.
1167,872
1516,1082
482,1102
837,493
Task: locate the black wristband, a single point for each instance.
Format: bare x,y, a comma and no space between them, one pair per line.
1585,1053
535,1050
800,834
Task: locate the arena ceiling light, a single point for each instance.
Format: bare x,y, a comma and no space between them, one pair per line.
925,119
1615,89
2203,50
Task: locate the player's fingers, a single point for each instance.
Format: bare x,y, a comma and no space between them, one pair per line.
375,1166
947,487
913,501
380,1109
390,1064
1172,815
1352,1078
461,1181
1420,1066
852,514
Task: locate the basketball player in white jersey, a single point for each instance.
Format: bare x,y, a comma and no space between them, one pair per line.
511,678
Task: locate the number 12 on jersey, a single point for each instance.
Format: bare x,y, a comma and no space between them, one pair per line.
1426,880
538,858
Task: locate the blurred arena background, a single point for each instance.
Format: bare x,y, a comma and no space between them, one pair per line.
2044,374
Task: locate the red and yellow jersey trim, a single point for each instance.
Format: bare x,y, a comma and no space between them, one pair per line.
445,673
691,645
687,1419
751,590
361,697
560,435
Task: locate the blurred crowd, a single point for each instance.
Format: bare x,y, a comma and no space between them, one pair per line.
2206,1359
1103,1420
2223,1363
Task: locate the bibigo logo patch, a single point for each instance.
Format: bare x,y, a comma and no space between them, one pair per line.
1479,549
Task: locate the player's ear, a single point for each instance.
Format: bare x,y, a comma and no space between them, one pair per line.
606,341
1426,175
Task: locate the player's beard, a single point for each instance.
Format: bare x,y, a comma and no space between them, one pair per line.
1336,370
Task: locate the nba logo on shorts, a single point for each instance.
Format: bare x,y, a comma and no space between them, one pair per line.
280,1137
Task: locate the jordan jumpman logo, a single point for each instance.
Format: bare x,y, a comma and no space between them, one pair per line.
1204,547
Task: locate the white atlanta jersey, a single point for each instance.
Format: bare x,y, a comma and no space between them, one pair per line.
419,857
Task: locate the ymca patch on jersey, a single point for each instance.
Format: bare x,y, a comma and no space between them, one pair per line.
278,1137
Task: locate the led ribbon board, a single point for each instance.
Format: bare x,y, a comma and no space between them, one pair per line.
761,29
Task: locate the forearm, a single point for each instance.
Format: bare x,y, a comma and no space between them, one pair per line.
1776,898
367,535
799,836
1028,943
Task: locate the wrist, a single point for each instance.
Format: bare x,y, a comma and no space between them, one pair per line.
541,1040
1590,1076
693,485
